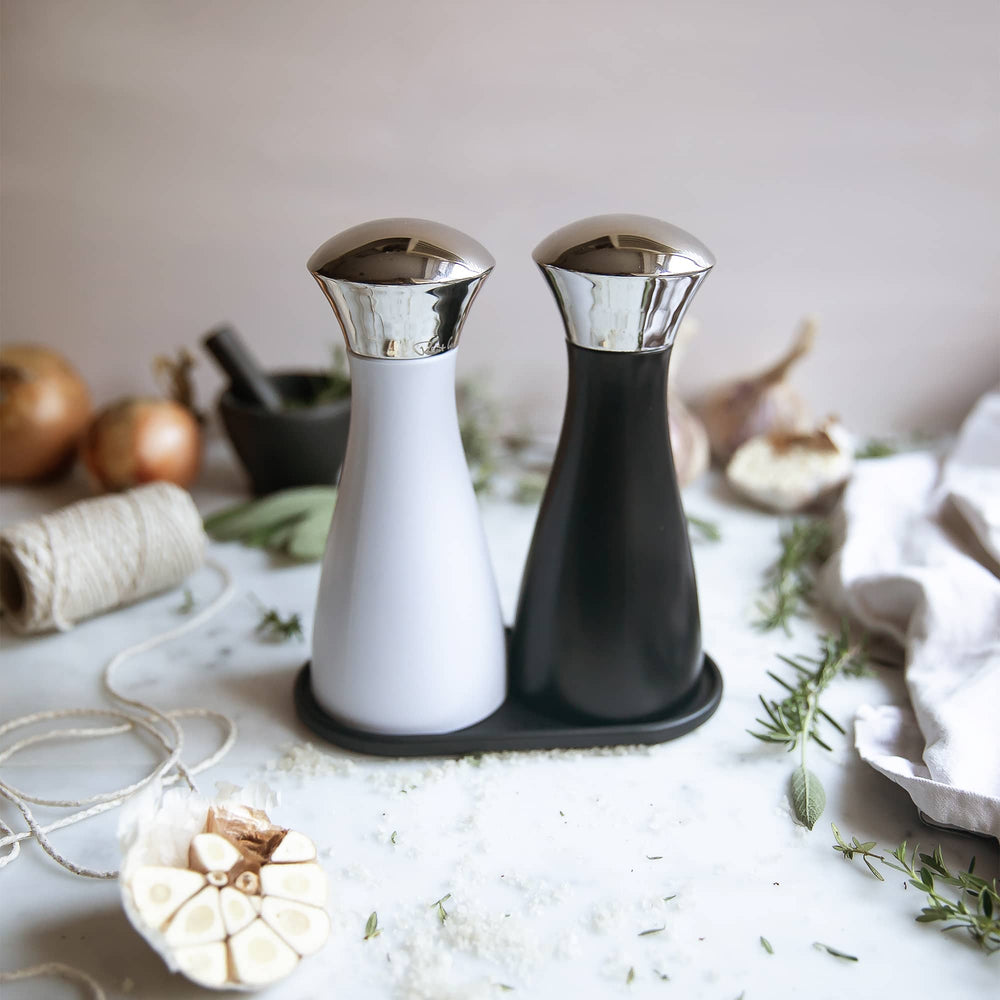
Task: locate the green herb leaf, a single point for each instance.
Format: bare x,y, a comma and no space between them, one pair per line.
875,448
294,522
392,839
439,903
630,976
652,930
274,628
833,951
705,530
766,945
371,927
187,604
808,796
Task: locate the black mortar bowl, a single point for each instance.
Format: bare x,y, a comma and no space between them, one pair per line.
300,445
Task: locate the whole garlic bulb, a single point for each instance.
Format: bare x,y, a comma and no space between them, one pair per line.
225,897
688,438
758,405
688,441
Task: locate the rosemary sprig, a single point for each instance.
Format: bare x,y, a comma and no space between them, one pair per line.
789,579
981,919
795,720
705,530
273,627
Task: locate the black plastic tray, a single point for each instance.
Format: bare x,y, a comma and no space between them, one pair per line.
514,726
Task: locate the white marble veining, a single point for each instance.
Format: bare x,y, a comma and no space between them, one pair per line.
556,862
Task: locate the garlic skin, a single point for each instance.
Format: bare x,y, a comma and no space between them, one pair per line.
688,441
757,405
192,886
688,438
789,472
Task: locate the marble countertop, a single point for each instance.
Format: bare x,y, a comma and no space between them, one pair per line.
556,862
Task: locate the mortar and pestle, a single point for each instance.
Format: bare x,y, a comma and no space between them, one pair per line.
284,436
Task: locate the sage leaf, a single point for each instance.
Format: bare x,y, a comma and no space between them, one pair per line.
808,796
295,522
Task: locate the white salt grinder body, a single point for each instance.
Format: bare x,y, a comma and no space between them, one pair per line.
408,636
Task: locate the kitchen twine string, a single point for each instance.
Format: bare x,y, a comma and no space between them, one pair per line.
83,559
66,972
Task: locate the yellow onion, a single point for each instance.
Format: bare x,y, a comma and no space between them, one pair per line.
44,408
139,440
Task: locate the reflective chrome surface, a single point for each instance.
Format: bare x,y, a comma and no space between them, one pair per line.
623,282
401,288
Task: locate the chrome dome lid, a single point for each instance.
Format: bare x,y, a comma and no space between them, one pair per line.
401,288
623,282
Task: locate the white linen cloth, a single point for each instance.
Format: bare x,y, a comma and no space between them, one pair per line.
918,563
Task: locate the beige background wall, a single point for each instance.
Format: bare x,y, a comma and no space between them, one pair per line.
170,164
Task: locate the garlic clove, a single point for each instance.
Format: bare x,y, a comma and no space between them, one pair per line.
211,852
305,883
237,909
789,472
158,892
198,921
259,956
294,846
305,928
205,964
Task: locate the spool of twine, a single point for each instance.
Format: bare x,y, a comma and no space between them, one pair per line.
96,555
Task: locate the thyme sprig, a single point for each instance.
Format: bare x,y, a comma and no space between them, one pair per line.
789,580
273,627
795,720
981,919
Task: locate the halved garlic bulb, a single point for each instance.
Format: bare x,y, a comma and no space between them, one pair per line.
241,906
789,472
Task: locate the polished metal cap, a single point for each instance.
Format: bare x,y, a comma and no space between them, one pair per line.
623,282
401,288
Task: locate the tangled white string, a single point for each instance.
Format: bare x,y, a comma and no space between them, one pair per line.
163,530
66,972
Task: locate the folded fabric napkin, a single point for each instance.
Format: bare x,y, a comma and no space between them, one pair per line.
918,563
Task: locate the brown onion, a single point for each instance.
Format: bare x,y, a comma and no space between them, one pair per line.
44,408
139,440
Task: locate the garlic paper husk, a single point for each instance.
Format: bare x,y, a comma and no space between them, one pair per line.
688,441
789,472
221,893
758,405
688,438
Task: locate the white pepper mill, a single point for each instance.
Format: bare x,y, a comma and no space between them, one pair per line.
408,637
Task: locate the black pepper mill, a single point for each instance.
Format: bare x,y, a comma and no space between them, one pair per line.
607,626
